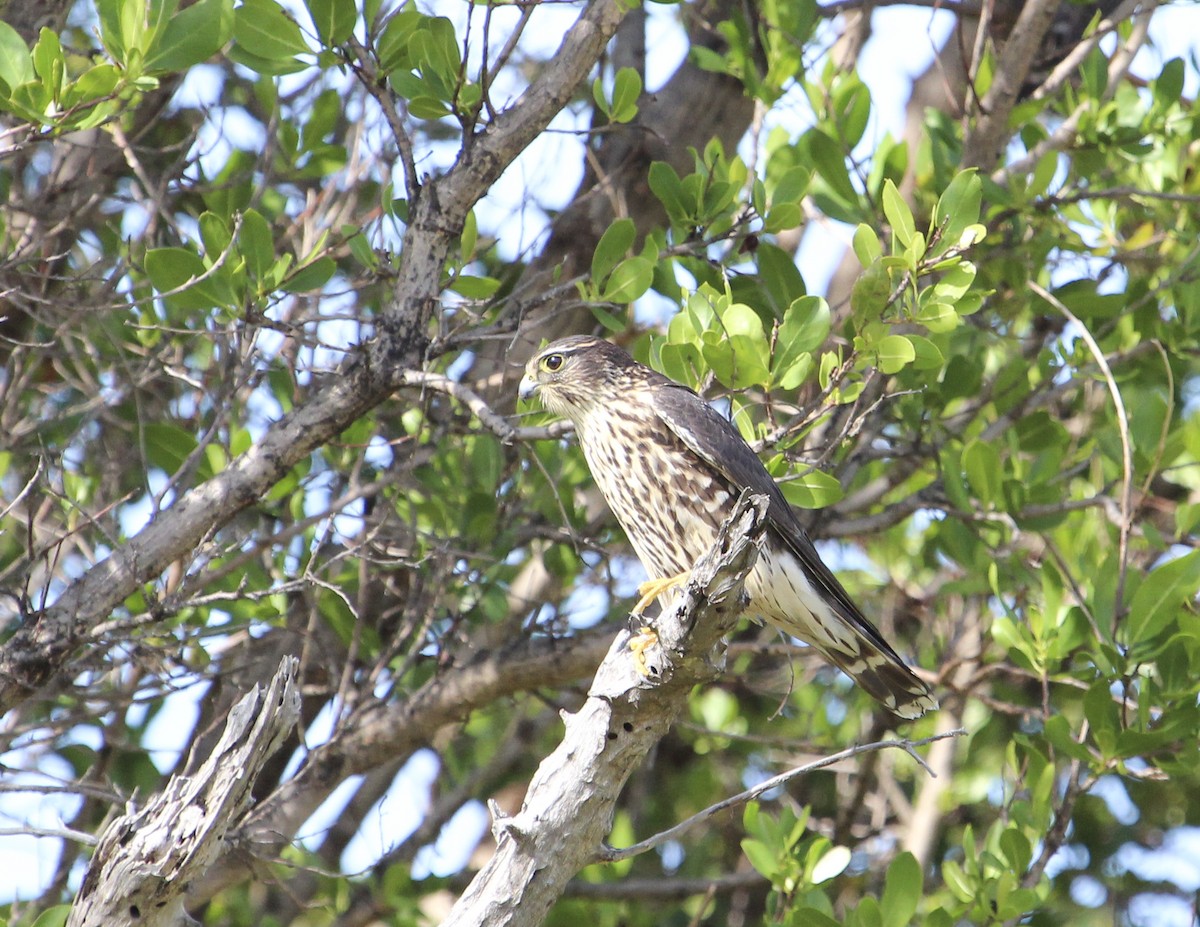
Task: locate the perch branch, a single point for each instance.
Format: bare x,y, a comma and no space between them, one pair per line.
569,806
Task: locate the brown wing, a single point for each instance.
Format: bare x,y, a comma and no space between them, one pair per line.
718,443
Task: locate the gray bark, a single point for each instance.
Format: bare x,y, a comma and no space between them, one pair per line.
569,807
147,858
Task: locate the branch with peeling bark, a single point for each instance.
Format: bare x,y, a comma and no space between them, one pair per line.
569,806
146,859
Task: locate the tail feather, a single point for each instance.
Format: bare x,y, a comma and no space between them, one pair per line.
885,678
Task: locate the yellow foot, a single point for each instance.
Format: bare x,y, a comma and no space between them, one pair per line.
639,644
651,589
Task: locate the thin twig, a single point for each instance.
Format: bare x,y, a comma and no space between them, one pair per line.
493,421
1126,501
608,854
58,833
1066,68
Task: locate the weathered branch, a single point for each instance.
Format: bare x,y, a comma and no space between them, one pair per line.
147,858
375,735
568,809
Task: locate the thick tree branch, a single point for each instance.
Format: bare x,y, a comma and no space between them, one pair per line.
146,859
569,807
985,140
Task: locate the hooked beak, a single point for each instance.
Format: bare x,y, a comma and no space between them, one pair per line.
528,387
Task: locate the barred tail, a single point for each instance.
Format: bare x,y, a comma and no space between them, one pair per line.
884,677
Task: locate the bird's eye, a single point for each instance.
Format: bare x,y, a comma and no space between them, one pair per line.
552,362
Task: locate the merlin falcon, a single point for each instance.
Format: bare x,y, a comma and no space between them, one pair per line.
671,468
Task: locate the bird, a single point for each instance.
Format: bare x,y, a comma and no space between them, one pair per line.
671,468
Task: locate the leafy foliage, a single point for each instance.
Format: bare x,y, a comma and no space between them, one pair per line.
997,420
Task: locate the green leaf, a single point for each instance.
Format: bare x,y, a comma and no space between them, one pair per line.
48,61
1162,597
469,238
737,349
92,85
16,63
627,90
263,29
360,247
191,36
427,107
761,857
122,23
782,216
894,353
1102,715
311,276
666,185
614,244
871,291
805,327
832,864
852,105
866,245
475,287
438,58
938,317
901,891
167,446
1168,86
868,913
257,246
981,462
393,47
899,216
813,489
612,321
177,272
957,210
1095,74
779,276
811,917
957,882
53,917
830,162
215,235
1015,847
955,282
928,355
786,195
334,19
1058,732
629,280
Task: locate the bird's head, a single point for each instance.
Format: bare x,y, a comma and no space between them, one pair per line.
573,376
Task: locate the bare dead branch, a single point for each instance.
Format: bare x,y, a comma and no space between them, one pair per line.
147,858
